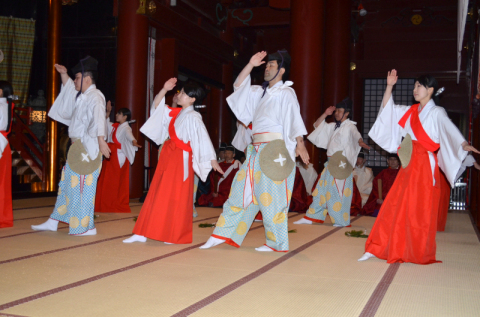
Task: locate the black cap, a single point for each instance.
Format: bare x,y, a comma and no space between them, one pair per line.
361,154
223,146
230,148
346,104
87,64
393,155
277,56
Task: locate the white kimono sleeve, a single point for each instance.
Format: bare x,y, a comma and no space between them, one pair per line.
62,108
245,99
293,125
467,162
242,138
109,132
98,123
352,149
386,131
322,134
156,127
202,148
451,153
127,145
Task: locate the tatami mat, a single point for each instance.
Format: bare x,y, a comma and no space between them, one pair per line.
54,274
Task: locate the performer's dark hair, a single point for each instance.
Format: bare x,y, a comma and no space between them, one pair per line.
429,81
194,91
92,75
125,112
7,89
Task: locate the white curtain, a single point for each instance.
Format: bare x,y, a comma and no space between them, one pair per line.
462,19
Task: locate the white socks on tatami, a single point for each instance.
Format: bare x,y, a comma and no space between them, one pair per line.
303,221
135,238
212,241
49,225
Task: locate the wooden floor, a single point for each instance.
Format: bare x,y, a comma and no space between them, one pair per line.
54,274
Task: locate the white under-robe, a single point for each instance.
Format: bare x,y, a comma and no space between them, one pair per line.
84,116
243,137
189,127
388,134
125,138
277,111
467,162
309,176
3,123
364,181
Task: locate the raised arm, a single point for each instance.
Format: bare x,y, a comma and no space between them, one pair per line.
327,113
255,61
169,85
62,70
391,81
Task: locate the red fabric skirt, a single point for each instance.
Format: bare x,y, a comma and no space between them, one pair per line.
406,226
299,201
6,211
167,213
444,203
113,185
356,207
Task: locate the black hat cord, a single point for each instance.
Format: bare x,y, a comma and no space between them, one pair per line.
338,123
265,83
83,71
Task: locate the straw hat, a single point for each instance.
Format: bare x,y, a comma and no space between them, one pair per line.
80,162
339,166
275,161
405,150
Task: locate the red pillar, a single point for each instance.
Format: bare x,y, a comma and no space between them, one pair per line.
131,90
356,84
337,47
225,112
307,26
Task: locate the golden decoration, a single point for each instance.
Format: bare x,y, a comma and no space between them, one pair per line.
195,187
85,221
278,182
325,212
353,66
289,194
258,177
141,7
266,199
328,196
333,219
74,223
242,228
279,218
311,211
271,236
255,201
152,7
89,180
322,200
62,210
337,206
241,175
346,216
416,19
315,192
347,192
74,181
235,209
221,221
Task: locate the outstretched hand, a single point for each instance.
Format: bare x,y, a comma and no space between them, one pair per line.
256,59
60,69
104,149
169,84
301,150
363,144
467,147
134,142
216,167
392,77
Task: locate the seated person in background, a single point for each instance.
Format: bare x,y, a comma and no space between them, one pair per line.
220,185
221,152
363,177
381,189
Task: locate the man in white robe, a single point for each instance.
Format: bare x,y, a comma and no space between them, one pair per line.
275,115
80,106
363,177
331,195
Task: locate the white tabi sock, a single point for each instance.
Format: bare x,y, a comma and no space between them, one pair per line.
366,256
49,225
258,220
264,248
335,225
90,232
212,241
303,221
135,238
168,243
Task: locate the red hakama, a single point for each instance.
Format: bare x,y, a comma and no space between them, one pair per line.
444,202
388,177
6,211
113,190
356,206
406,226
223,188
167,213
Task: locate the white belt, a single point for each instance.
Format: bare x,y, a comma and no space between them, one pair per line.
266,137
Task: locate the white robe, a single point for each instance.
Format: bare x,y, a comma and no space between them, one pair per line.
236,164
189,127
345,139
125,137
309,176
3,123
364,181
387,133
467,162
84,116
277,111
242,138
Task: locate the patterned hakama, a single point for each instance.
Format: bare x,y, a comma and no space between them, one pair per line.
76,200
270,197
327,199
